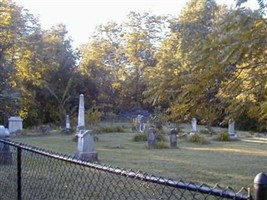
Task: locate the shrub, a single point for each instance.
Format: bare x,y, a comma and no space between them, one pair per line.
107,129
197,138
96,130
208,132
224,136
161,145
204,132
140,137
93,116
111,129
160,137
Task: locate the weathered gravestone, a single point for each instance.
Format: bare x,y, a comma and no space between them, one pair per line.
173,138
194,125
231,129
5,153
151,137
85,148
15,124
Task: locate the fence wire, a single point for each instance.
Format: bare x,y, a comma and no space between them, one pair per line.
48,175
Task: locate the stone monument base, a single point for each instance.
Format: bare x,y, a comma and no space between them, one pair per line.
86,156
233,136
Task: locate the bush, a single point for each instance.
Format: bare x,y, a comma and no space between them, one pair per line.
161,145
197,138
160,137
207,132
140,137
224,136
111,129
107,129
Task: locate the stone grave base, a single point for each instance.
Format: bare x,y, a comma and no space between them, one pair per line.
5,158
86,156
233,136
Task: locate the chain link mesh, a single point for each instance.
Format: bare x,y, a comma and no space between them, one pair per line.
48,175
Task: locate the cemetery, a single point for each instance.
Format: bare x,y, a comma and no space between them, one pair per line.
185,151
150,107
222,162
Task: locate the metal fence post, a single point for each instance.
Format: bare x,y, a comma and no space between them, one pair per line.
19,173
260,185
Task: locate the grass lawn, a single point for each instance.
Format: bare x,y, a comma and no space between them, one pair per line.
234,163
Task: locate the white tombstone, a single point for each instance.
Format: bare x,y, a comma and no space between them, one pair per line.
231,129
85,147
67,122
4,132
194,125
81,122
15,124
5,153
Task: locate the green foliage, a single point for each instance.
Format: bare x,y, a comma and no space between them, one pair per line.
98,129
207,132
140,137
161,145
112,129
158,118
197,138
224,136
93,116
160,137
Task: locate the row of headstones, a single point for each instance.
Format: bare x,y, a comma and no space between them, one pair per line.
231,127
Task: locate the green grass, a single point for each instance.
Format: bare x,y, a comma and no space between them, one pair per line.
234,163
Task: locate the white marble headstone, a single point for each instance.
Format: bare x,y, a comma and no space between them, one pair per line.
194,125
15,124
231,129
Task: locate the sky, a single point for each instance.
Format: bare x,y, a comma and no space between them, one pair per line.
82,16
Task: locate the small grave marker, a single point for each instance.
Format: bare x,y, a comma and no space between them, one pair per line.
173,138
151,137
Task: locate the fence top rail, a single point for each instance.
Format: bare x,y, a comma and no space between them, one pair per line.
216,190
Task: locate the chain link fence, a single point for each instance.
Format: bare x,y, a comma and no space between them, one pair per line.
31,173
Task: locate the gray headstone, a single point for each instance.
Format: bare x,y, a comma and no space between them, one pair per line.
173,137
151,137
194,125
81,123
15,124
5,153
85,147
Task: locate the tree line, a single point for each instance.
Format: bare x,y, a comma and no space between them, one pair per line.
209,63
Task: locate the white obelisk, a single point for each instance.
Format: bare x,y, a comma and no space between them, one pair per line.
81,123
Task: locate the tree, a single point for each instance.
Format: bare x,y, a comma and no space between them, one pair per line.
180,82
15,26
